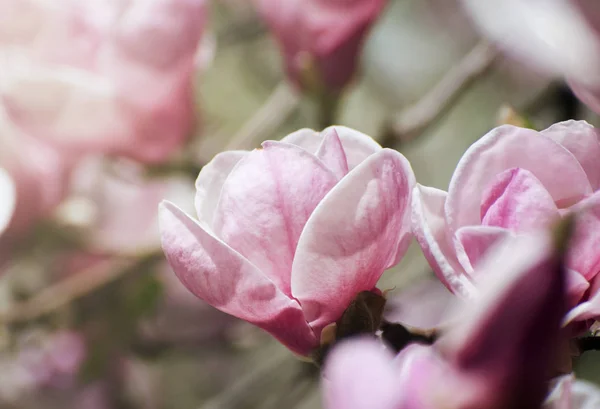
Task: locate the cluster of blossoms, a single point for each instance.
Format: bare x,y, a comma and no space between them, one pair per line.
294,236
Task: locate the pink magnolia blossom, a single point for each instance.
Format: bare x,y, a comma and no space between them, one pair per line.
491,358
112,76
289,233
321,35
514,181
557,36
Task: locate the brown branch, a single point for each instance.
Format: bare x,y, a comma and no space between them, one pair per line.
270,116
412,121
74,287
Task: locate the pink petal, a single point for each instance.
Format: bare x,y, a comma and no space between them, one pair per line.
265,203
577,285
508,147
422,305
332,153
224,279
360,374
474,242
588,310
517,200
7,195
430,230
584,254
357,145
210,182
582,140
353,235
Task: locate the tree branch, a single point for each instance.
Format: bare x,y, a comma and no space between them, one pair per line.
412,121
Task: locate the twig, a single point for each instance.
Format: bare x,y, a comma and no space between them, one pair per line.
278,107
263,374
76,286
412,121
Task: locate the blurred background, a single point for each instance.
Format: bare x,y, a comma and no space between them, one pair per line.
90,314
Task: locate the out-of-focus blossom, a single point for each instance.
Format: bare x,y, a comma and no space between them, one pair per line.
52,362
40,175
492,358
570,393
320,40
7,195
110,76
557,37
288,234
512,181
115,204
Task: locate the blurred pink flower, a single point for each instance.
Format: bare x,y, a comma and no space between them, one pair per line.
40,175
558,37
514,181
111,76
289,233
492,358
321,35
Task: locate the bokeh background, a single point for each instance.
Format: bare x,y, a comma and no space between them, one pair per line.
90,314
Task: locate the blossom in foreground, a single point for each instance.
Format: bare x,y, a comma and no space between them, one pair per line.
102,76
557,37
320,40
491,358
288,234
512,181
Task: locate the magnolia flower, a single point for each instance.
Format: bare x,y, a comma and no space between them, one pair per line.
492,358
557,37
111,76
7,193
514,181
320,40
289,233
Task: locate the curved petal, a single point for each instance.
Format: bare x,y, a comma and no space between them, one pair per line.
430,230
507,147
224,279
473,243
584,254
352,236
518,201
583,141
577,285
265,203
589,310
332,153
211,180
357,145
7,193
305,138
361,374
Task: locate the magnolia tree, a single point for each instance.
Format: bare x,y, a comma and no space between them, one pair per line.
149,260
